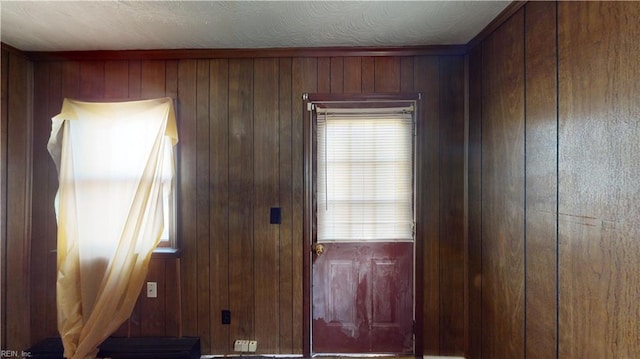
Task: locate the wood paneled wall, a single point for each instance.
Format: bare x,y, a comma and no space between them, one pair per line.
15,194
553,184
240,153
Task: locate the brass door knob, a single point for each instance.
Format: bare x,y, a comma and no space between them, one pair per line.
318,248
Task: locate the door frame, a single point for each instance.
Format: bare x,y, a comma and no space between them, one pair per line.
309,223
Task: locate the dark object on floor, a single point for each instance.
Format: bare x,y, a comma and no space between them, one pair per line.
128,348
50,348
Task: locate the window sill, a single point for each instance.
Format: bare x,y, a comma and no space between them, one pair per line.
160,252
166,252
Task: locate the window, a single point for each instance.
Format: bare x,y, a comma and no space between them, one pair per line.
169,202
364,166
115,163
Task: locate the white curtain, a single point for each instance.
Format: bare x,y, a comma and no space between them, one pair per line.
115,162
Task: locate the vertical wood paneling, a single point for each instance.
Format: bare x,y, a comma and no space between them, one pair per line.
92,80
386,74
352,74
171,297
511,110
598,174
152,312
116,80
406,74
240,153
70,80
54,104
172,300
171,79
241,178
288,238
219,198
451,248
304,80
39,248
541,175
428,198
324,74
337,74
266,196
368,75
18,201
503,191
475,203
135,71
203,205
187,192
4,114
152,79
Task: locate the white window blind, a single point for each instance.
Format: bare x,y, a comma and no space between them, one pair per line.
364,175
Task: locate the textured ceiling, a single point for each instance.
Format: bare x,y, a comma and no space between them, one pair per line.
136,25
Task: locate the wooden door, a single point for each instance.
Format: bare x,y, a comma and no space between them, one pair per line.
363,298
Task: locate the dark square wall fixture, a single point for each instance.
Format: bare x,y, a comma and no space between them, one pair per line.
275,217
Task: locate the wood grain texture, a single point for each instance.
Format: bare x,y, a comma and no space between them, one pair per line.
288,238
4,114
266,196
54,104
428,204
135,70
387,74
541,180
152,83
352,75
219,199
187,192
599,169
92,79
116,79
195,54
18,201
368,75
406,74
39,249
451,210
503,191
203,205
71,80
152,310
337,74
303,80
324,75
474,349
233,163
241,194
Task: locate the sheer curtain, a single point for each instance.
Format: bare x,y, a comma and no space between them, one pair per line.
115,163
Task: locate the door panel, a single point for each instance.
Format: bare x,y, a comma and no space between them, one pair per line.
363,298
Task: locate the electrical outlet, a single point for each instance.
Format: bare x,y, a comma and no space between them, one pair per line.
253,345
241,345
152,290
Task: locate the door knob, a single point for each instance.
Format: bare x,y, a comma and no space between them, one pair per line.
318,248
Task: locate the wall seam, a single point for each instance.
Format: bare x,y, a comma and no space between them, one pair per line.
524,108
557,182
